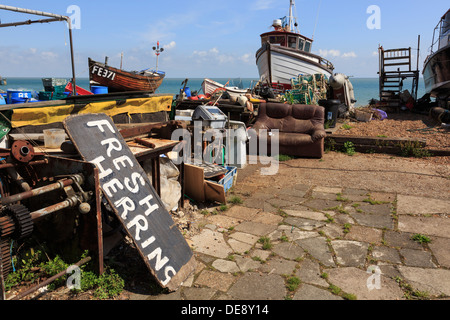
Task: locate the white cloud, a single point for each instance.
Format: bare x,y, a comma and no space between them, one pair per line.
333,53
329,53
262,4
169,46
349,55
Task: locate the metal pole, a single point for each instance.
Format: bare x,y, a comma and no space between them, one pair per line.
49,280
58,18
36,192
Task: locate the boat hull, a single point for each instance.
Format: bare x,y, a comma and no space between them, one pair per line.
209,86
278,65
436,73
121,81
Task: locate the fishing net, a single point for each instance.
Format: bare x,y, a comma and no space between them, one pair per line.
308,89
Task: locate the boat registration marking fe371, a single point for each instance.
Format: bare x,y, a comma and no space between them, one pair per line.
104,73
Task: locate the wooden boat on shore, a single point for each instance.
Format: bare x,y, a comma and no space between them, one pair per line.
210,86
436,71
118,80
285,54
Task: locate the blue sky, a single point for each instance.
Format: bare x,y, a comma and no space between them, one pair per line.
207,38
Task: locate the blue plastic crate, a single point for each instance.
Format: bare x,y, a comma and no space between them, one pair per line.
228,180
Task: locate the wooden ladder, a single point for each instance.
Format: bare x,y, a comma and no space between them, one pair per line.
395,67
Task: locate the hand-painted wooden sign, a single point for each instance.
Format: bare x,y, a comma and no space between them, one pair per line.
128,190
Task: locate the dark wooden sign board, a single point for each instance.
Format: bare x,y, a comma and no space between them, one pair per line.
128,190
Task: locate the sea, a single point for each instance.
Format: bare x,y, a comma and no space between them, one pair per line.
365,88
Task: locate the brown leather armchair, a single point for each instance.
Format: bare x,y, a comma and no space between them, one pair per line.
301,128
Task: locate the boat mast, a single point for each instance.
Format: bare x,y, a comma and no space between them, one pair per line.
291,17
292,25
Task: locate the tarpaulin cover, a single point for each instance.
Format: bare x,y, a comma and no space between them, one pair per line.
54,114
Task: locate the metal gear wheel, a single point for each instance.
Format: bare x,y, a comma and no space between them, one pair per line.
23,223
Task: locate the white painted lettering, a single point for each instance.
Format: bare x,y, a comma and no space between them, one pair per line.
139,227
121,160
113,144
111,185
127,204
103,173
134,178
151,207
100,124
166,273
148,242
157,254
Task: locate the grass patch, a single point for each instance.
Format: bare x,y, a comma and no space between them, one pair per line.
292,283
347,228
349,148
236,200
266,243
421,238
283,157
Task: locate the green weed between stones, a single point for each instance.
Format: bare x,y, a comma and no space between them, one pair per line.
35,265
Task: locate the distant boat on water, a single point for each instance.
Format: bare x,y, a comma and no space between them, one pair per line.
117,80
436,72
285,53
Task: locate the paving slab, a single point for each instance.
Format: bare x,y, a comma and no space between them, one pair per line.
308,214
333,190
215,280
364,285
268,218
321,204
302,223
323,195
262,254
211,243
245,264
383,196
432,226
374,220
312,293
383,209
309,272
242,213
199,293
441,250
382,253
238,246
350,253
255,286
417,258
421,205
401,240
365,234
433,281
318,248
278,266
291,233
225,266
288,250
245,237
282,203
258,229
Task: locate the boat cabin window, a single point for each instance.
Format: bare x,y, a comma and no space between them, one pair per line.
307,46
292,42
301,44
279,40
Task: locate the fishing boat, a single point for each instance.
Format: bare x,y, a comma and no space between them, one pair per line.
117,80
436,72
285,53
210,86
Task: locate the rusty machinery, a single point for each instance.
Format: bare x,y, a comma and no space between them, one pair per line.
57,200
